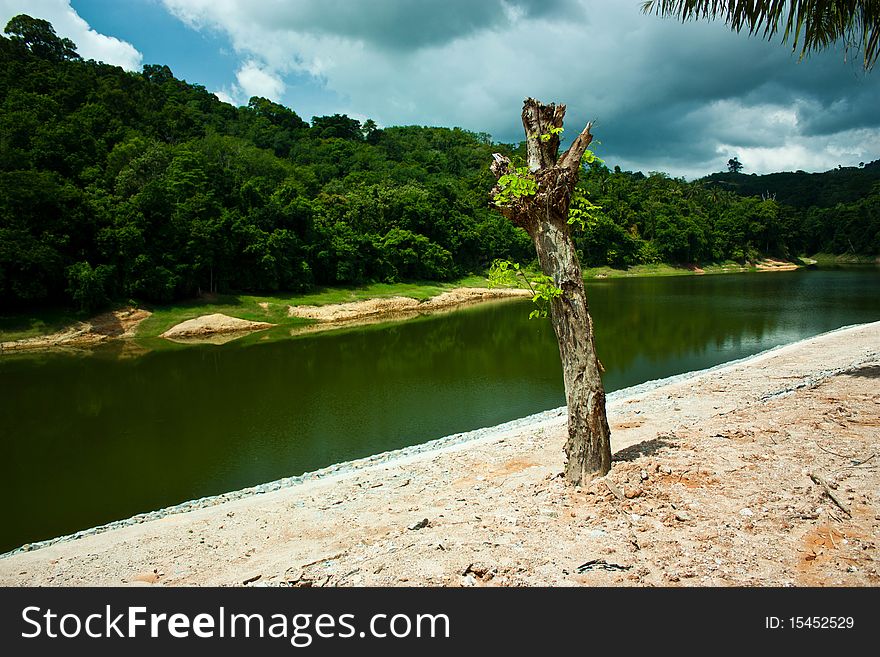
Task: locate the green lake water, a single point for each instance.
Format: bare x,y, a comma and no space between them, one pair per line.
92,438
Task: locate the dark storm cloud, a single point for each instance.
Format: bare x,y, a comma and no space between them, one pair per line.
842,114
407,24
706,87
668,96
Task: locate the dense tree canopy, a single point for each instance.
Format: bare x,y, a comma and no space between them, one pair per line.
39,37
118,185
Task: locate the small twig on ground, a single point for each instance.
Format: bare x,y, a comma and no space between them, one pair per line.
855,464
614,489
322,560
830,493
828,451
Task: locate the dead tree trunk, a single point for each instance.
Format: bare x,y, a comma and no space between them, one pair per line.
544,216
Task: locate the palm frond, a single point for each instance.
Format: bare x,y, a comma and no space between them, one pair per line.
809,25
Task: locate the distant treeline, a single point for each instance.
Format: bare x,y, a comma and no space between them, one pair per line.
802,189
655,218
118,185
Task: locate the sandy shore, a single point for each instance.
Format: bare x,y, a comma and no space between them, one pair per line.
711,485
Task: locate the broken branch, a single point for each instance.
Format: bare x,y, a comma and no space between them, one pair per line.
571,159
818,479
500,164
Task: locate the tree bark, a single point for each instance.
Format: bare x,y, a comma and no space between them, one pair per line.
544,216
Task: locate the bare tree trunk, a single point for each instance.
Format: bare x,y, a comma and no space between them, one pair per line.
544,216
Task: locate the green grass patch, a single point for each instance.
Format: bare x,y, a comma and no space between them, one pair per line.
831,260
662,269
635,271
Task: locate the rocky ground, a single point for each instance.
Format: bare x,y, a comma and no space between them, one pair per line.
760,473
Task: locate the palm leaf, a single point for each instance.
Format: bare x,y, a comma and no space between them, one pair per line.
809,25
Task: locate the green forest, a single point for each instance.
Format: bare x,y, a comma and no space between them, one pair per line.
117,185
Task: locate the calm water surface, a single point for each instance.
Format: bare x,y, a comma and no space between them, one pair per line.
89,439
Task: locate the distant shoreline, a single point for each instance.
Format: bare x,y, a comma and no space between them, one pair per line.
304,315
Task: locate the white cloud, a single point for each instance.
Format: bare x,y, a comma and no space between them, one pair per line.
809,153
225,97
67,23
252,79
255,80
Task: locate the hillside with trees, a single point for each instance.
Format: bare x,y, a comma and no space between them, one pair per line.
801,189
117,185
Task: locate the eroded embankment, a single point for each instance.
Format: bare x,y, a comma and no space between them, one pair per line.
356,311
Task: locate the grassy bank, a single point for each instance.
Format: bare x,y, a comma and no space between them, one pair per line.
831,260
260,308
273,307
663,269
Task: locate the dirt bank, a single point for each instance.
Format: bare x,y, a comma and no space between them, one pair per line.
216,324
769,264
121,323
711,485
218,328
394,307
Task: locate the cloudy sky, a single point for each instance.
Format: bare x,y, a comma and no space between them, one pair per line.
680,98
